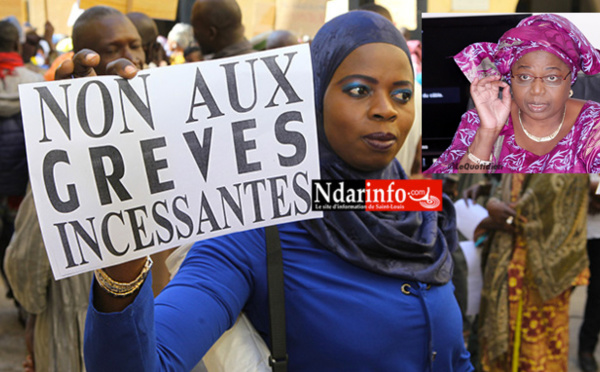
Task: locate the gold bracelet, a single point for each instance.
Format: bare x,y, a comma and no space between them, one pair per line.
476,160
119,289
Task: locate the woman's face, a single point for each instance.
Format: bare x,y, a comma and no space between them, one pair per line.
535,98
368,106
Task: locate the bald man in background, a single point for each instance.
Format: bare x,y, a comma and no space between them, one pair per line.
105,42
146,27
218,28
281,38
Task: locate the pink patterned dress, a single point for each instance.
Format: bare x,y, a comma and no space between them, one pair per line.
577,152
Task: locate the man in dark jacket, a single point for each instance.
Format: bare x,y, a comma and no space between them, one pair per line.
13,161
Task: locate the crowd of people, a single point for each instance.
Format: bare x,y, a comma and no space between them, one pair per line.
363,290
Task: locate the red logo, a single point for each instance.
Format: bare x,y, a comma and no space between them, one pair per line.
403,195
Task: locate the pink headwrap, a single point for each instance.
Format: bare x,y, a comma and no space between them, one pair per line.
548,32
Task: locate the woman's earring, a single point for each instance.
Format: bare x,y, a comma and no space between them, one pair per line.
571,93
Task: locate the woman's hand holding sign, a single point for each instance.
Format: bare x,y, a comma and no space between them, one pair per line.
82,65
87,63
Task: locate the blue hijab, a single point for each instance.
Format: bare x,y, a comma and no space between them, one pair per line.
407,245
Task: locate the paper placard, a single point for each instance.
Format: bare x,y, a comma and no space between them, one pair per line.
124,168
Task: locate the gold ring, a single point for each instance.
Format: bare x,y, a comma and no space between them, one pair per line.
510,220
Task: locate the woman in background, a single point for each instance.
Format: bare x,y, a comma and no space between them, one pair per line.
537,253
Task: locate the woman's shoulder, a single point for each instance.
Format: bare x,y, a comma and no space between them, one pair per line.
590,105
231,240
241,249
589,113
588,126
253,241
469,121
585,107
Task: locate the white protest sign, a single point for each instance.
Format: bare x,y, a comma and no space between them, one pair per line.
124,168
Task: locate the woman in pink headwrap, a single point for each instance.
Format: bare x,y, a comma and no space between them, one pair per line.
524,120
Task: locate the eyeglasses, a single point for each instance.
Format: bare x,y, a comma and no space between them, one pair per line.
548,80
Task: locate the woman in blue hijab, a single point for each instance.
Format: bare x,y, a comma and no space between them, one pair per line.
364,291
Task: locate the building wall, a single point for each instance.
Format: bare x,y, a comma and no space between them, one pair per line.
258,16
465,6
57,11
302,17
403,12
15,8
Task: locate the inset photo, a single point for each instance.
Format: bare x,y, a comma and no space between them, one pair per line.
511,93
